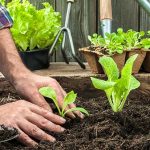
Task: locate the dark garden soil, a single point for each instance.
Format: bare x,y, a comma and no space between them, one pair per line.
102,130
8,133
97,49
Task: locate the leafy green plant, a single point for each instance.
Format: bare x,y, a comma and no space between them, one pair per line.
113,43
33,28
145,43
120,41
97,40
132,39
117,88
148,33
2,2
69,99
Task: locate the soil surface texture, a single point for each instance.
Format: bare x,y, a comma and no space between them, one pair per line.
102,130
7,133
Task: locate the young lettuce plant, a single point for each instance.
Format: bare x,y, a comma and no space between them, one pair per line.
69,99
120,41
113,41
97,40
133,38
117,88
145,42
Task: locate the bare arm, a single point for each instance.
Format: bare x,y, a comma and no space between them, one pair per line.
10,62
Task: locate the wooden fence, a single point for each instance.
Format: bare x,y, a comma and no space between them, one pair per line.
85,18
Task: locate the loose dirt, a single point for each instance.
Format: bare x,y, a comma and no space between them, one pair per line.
102,130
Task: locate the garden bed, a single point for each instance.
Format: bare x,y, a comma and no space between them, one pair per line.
103,129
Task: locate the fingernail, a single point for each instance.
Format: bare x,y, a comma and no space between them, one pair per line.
53,139
63,129
62,120
81,116
33,144
73,116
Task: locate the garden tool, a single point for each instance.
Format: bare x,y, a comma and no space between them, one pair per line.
105,16
145,5
66,33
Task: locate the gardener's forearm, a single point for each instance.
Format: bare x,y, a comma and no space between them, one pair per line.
10,62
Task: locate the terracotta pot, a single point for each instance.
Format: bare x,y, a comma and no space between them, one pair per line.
92,58
146,63
139,61
119,60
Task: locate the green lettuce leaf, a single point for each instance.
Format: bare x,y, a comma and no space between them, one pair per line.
33,28
50,93
101,84
110,68
118,90
69,99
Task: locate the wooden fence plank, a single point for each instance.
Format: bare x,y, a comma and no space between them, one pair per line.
84,18
82,21
125,14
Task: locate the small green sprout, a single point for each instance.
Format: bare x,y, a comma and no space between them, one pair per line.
68,99
117,88
121,41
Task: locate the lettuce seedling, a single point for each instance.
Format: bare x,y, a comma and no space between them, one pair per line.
114,43
97,40
117,88
121,41
68,99
133,38
145,43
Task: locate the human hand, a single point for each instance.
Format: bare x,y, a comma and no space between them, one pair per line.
29,84
31,121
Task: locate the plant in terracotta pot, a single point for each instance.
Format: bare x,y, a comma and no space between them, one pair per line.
33,31
112,46
146,63
135,43
120,46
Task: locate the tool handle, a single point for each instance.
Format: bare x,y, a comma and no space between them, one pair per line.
105,9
